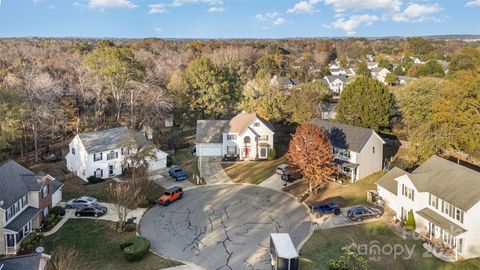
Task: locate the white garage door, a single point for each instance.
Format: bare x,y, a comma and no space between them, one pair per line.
211,150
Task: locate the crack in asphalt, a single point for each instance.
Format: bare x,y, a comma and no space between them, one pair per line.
196,243
223,242
279,226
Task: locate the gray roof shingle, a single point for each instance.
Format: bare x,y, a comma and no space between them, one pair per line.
22,219
104,140
344,136
387,181
23,262
332,78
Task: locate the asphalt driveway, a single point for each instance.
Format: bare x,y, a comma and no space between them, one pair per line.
224,226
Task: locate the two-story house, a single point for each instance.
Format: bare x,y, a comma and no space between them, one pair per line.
380,74
25,199
445,201
336,83
102,153
283,82
246,136
358,151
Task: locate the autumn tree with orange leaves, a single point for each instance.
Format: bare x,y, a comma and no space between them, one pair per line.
311,152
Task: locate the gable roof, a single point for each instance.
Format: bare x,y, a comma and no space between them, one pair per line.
24,262
332,78
344,136
388,180
445,179
379,69
16,181
103,140
210,131
284,80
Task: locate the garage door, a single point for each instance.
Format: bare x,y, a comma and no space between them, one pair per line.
210,150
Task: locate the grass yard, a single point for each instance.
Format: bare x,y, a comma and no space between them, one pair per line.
187,161
98,246
342,194
253,172
326,244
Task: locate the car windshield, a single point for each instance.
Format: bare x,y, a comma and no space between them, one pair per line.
167,193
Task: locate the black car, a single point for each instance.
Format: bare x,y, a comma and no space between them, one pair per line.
91,211
364,212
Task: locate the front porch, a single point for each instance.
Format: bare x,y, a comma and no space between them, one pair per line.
19,228
347,169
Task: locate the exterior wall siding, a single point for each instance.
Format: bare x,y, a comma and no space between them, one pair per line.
369,161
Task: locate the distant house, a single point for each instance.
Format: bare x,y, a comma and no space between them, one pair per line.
372,65
34,261
246,136
445,201
336,82
25,200
342,71
349,72
358,151
417,61
284,82
102,153
380,74
327,110
404,79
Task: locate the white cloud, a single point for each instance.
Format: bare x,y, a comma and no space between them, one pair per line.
127,4
474,3
156,8
352,23
416,12
304,7
178,3
216,9
279,21
158,30
342,5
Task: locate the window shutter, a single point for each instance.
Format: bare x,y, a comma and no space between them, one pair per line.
101,173
116,154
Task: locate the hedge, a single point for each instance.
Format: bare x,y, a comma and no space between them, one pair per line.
135,248
58,211
30,242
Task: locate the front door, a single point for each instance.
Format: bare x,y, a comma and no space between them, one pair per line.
110,169
247,152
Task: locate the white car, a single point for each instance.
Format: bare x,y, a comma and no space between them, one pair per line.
81,202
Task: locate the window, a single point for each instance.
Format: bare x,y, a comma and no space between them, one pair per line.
263,152
433,201
112,155
24,201
373,150
231,150
98,173
45,212
445,208
459,215
97,156
45,191
73,151
408,192
263,138
346,170
341,152
232,137
256,124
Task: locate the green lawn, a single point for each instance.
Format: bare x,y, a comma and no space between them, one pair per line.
187,161
253,172
326,244
343,194
98,246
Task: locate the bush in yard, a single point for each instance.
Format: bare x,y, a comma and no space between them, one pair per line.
348,260
93,179
30,243
130,227
143,203
410,224
272,154
57,211
169,161
50,221
135,248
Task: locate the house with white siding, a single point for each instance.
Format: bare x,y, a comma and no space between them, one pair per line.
245,136
336,83
358,151
102,153
445,201
25,200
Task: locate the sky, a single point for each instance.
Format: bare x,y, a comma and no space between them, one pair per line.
237,18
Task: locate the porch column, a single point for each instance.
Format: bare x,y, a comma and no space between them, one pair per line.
455,240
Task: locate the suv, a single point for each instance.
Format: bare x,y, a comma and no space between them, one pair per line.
177,173
171,195
363,212
290,174
325,209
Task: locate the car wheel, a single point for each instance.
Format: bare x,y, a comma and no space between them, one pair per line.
181,196
77,214
96,215
167,203
378,216
69,207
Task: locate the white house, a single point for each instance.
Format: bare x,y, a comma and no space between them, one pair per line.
25,200
102,153
379,74
336,83
372,65
445,200
283,82
358,151
246,136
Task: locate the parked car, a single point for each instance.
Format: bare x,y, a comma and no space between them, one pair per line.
94,210
171,195
325,209
364,212
81,202
177,173
289,174
280,168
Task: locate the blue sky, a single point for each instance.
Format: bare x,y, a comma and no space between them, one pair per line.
237,18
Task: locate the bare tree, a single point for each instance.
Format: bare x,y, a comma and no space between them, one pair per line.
65,258
124,197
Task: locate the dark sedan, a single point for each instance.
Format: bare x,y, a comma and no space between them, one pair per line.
91,211
364,212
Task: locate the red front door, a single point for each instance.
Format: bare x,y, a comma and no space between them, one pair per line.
247,151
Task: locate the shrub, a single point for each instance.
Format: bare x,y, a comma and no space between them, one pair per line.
135,248
58,211
169,161
143,203
410,224
272,154
30,243
93,179
130,227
